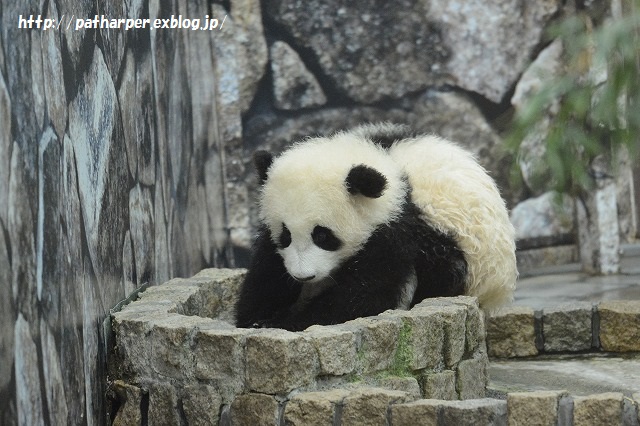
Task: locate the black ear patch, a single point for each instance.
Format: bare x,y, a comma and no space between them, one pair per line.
366,181
262,161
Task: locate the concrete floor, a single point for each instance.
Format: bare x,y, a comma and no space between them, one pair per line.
543,291
585,374
578,374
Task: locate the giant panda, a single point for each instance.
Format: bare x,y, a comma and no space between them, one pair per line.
372,219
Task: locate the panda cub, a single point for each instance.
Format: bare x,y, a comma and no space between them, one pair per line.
373,219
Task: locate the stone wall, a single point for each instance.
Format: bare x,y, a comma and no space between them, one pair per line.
610,326
116,157
175,346
179,360
572,328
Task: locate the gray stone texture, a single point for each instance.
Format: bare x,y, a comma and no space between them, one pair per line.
620,325
475,333
435,44
511,333
425,338
163,405
440,385
130,397
254,409
220,358
452,318
597,222
420,412
369,406
279,361
219,289
409,385
378,339
201,405
472,378
630,413
110,177
526,408
294,87
206,364
534,259
568,327
437,412
314,408
531,156
545,217
250,45
599,409
336,349
475,412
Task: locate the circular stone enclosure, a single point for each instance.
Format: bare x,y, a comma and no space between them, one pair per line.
178,357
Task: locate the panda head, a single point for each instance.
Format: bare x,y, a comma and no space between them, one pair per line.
323,198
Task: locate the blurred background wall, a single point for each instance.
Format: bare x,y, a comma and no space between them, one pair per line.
125,155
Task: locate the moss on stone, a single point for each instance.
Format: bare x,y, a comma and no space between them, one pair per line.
401,366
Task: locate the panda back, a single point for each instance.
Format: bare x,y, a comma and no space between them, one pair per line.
458,197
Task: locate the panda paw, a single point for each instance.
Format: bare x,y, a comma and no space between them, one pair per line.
263,324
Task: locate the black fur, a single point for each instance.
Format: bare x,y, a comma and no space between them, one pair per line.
366,181
262,161
367,284
268,290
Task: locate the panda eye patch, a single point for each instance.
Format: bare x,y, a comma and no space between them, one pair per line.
325,238
285,237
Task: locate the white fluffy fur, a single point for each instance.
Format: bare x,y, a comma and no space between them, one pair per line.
305,187
457,195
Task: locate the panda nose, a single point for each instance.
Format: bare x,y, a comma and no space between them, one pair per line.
309,278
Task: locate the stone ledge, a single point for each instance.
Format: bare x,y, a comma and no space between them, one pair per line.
177,342
372,405
611,326
176,366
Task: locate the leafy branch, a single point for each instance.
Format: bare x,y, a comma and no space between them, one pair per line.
591,108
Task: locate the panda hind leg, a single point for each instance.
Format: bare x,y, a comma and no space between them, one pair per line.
441,272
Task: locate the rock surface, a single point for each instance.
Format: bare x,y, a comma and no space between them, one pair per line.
369,57
620,326
294,87
548,217
597,409
525,406
568,327
511,332
547,65
370,363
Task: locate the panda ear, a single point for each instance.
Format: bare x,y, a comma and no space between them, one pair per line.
262,161
366,181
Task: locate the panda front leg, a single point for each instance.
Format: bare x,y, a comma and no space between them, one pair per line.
355,294
268,291
371,282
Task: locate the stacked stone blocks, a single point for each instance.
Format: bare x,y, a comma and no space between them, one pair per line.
579,327
176,346
178,359
610,326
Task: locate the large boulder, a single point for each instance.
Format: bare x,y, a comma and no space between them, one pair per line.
547,219
377,50
533,166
